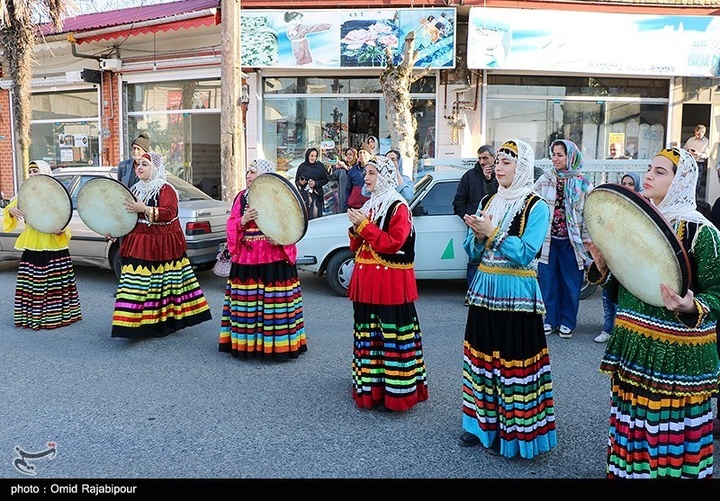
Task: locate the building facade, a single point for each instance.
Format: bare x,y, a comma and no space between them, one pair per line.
640,74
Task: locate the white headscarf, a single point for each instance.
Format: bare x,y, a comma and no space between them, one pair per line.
385,192
146,190
507,202
42,166
679,203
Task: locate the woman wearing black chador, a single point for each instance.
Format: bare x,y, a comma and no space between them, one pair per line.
310,178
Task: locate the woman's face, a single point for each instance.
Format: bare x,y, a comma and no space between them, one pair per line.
371,176
371,142
628,181
144,169
363,156
505,170
251,174
312,156
559,157
392,156
658,178
350,156
33,170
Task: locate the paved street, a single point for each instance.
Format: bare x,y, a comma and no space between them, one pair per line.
175,407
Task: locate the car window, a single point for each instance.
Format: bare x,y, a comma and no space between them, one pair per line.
68,182
186,191
438,201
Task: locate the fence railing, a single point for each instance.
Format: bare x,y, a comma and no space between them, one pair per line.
599,171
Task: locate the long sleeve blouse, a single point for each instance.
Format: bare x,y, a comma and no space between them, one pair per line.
32,239
375,280
248,244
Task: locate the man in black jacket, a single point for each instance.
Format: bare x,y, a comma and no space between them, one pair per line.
475,184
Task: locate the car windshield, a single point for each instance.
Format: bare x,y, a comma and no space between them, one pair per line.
420,186
186,191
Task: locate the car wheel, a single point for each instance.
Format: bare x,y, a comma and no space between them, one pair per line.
587,289
339,271
115,260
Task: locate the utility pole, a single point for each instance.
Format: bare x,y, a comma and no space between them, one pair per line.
232,127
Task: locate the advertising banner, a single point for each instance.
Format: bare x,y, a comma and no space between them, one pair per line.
593,42
345,38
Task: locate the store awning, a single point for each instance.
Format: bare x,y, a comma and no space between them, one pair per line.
210,20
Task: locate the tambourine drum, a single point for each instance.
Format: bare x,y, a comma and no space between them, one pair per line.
282,215
638,245
45,203
101,206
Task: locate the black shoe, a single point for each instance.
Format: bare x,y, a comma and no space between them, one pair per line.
467,439
494,449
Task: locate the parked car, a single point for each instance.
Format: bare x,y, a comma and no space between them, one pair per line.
439,255
202,218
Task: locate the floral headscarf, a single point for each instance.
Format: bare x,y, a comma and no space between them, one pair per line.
262,166
679,203
385,192
509,201
146,190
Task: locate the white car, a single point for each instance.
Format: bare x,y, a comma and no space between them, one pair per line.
439,255
439,232
202,218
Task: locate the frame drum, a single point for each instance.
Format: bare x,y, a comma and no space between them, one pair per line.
282,215
638,245
101,206
45,203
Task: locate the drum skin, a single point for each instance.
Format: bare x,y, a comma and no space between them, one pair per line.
101,206
637,243
282,215
45,203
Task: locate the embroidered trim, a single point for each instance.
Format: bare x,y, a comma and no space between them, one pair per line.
507,271
379,260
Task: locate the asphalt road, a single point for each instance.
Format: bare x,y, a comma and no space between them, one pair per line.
177,408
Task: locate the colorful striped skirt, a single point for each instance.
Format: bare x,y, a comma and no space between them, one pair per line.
262,314
388,365
654,435
507,382
157,298
46,295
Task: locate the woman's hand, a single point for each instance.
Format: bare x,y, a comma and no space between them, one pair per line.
251,214
58,231
17,213
135,206
674,302
356,217
597,257
481,225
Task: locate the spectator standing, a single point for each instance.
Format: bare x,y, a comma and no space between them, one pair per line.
609,297
310,179
356,179
473,186
339,174
46,295
563,258
405,185
508,402
699,147
262,314
126,169
158,292
388,363
662,360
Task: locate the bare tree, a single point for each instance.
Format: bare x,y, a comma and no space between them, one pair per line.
17,30
395,81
